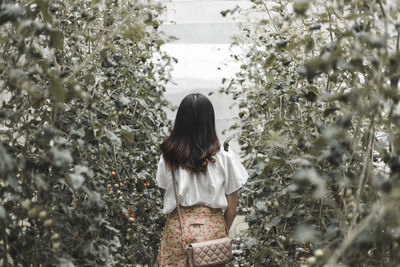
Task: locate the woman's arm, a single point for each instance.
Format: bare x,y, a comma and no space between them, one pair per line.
230,212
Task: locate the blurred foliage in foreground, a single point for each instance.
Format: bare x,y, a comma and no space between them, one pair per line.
318,90
81,85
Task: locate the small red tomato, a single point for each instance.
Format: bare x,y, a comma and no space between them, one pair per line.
113,173
131,215
129,209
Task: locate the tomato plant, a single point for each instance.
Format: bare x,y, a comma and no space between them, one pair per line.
318,92
81,117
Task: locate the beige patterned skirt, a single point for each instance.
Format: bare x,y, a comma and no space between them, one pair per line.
200,223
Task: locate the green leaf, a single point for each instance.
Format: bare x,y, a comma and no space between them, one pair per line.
305,233
3,214
127,137
270,60
329,111
225,12
115,140
10,12
57,90
62,157
160,42
277,139
44,10
301,6
41,183
56,39
274,222
305,176
78,176
309,43
6,164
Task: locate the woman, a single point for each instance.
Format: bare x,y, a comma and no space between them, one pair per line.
208,179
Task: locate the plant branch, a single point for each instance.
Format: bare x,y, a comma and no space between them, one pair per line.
269,15
385,20
382,9
365,170
330,25
5,244
99,48
338,253
115,163
276,29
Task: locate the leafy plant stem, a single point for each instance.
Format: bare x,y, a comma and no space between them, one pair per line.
5,245
385,20
92,124
320,209
290,129
256,143
134,109
269,15
330,25
355,135
115,163
337,254
273,23
365,169
382,9
327,83
54,113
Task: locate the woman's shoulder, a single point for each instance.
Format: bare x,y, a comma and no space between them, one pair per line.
161,160
226,155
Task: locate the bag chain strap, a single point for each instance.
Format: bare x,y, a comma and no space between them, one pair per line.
179,212
178,208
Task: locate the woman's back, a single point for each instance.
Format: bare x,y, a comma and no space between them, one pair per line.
223,177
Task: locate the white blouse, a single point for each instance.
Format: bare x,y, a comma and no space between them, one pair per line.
223,177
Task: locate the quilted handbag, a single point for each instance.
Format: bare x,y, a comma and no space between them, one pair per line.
216,252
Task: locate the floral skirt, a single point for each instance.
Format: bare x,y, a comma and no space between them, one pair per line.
200,223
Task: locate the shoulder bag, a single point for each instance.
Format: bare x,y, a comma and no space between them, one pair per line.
217,252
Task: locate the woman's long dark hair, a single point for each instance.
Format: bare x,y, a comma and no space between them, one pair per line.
193,140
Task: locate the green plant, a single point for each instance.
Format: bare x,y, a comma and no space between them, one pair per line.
318,89
81,118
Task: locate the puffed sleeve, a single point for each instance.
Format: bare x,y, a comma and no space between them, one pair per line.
161,177
235,174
